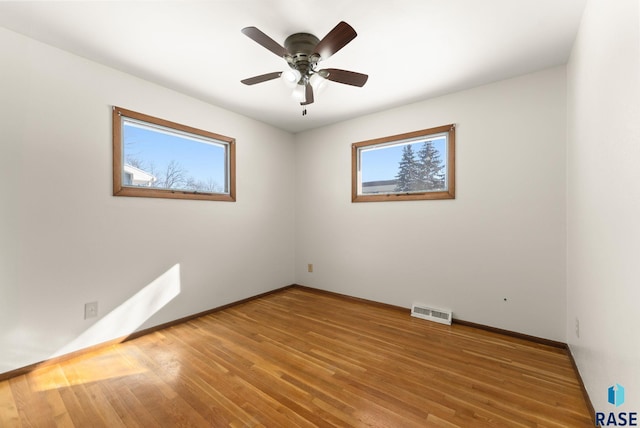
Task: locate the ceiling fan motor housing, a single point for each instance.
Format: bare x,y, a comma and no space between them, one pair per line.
301,57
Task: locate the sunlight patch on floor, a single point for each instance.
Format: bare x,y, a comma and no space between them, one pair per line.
93,367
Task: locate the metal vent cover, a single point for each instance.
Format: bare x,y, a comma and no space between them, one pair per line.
441,316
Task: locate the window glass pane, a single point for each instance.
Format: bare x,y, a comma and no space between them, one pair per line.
418,165
158,157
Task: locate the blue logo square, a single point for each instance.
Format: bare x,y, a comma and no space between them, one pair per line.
616,395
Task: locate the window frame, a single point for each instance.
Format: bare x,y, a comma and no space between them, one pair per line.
408,196
119,189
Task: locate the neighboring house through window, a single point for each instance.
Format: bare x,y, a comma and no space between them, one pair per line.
136,177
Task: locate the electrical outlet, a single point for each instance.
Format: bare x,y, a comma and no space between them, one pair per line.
90,310
577,328
310,267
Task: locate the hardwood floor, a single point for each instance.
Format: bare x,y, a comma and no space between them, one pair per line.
303,358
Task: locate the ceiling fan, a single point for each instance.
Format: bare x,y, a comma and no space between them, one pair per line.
303,52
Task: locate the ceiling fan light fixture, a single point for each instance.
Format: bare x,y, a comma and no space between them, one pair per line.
299,93
291,77
318,82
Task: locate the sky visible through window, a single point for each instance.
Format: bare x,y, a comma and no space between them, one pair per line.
154,150
381,163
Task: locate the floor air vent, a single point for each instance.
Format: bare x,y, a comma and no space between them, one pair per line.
438,315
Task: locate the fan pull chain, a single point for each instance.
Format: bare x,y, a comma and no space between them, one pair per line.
304,111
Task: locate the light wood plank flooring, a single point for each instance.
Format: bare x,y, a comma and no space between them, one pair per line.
303,358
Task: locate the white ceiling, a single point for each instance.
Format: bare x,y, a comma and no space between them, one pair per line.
411,49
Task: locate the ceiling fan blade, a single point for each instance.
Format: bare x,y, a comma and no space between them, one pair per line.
344,76
335,40
262,39
261,78
308,96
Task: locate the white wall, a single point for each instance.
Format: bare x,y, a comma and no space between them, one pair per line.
604,200
502,237
63,233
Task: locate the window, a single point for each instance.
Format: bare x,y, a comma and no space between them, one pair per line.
156,158
413,166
